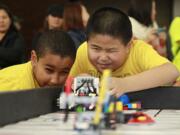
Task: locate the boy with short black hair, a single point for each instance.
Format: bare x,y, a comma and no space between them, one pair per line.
49,66
134,64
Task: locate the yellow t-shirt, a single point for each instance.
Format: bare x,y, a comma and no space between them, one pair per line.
18,77
174,32
142,57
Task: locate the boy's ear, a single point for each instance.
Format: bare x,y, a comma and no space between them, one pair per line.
129,45
34,58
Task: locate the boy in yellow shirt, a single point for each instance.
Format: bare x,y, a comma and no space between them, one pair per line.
49,65
134,64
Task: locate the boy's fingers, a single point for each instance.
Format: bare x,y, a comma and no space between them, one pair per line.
112,92
116,93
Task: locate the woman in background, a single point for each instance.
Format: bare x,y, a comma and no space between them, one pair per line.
73,22
144,25
12,46
85,13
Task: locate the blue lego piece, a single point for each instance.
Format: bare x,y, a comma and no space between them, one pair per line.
124,99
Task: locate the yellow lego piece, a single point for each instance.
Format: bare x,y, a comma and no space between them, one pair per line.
142,118
134,105
102,93
119,106
111,108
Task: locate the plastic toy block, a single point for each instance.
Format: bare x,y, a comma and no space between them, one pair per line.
125,108
130,106
92,94
124,99
134,105
103,91
106,107
119,106
87,85
79,109
111,108
140,118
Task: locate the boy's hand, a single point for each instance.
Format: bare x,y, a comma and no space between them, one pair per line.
115,86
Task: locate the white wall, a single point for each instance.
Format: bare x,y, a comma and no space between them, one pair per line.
176,9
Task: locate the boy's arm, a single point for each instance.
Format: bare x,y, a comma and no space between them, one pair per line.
158,76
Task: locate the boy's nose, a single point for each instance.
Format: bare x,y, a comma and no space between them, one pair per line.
104,57
54,80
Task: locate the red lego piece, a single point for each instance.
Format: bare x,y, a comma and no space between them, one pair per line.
140,118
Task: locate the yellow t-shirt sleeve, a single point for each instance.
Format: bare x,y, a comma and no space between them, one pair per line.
5,85
80,64
7,81
148,57
17,77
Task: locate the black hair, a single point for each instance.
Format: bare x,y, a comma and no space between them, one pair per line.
141,11
110,21
56,42
56,10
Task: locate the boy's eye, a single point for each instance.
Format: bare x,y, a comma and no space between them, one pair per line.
112,50
48,70
96,49
64,73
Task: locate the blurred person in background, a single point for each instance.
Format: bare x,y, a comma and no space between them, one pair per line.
174,33
18,22
53,20
144,24
85,13
73,22
12,45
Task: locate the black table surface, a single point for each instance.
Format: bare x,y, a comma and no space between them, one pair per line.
21,105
